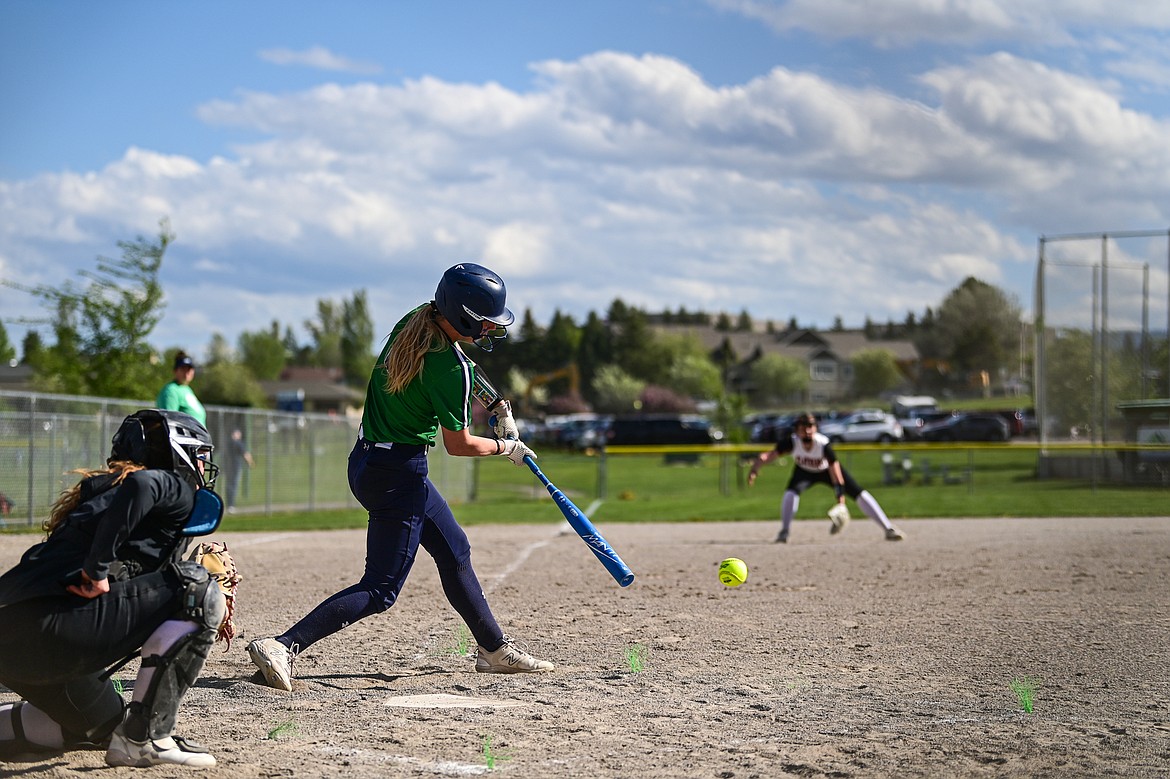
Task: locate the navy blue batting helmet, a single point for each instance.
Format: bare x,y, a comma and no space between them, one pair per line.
469,295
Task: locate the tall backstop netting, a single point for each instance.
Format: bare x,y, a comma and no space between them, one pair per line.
1102,362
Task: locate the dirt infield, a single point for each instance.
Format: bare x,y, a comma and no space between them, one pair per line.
844,656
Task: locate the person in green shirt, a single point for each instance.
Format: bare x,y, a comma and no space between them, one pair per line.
420,391
177,395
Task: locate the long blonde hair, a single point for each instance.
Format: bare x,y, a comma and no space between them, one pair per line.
421,334
70,498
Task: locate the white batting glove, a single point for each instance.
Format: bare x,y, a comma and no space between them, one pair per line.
502,422
516,450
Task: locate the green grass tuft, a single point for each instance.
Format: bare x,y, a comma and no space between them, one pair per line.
1025,690
461,642
283,729
491,757
636,657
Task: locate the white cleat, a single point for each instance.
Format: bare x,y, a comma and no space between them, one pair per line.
894,534
274,660
172,750
510,658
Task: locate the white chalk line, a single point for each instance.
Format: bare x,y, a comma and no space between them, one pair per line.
440,767
263,540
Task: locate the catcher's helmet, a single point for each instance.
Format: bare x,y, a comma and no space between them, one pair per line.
169,440
469,295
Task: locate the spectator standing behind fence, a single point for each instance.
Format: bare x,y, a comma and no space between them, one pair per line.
177,395
237,457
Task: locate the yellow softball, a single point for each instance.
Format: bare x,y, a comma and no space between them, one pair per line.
733,572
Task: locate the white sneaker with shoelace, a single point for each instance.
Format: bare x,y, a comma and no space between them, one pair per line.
274,660
510,658
172,750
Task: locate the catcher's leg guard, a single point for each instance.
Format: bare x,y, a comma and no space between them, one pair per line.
203,601
174,655
166,678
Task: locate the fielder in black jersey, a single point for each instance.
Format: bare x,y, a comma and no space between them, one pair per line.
816,463
108,583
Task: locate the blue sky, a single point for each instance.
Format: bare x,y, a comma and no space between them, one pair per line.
798,158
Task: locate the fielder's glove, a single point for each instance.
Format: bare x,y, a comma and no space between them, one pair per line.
502,422
214,556
839,516
516,450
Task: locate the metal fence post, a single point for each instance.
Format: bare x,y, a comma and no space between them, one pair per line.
32,418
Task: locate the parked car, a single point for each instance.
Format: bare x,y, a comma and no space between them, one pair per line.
912,426
646,429
865,425
967,427
1028,421
583,434
1020,421
769,428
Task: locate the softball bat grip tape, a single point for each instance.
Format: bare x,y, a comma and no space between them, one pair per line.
580,523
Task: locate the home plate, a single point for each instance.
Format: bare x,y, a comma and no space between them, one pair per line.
444,701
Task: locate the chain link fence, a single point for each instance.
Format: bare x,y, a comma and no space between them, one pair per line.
299,459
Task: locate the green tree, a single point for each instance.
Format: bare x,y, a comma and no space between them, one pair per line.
777,379
32,349
874,372
357,340
228,383
729,411
560,342
1070,387
102,327
594,350
980,327
743,323
263,353
615,390
695,376
325,332
633,342
7,351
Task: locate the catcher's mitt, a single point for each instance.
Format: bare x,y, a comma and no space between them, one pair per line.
214,556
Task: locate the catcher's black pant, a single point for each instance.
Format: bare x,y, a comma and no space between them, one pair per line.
801,480
406,511
53,650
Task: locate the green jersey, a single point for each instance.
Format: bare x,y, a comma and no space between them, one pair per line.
440,395
180,397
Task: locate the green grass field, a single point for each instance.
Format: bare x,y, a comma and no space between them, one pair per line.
645,488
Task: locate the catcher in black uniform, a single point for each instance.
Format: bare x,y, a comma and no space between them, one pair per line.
110,582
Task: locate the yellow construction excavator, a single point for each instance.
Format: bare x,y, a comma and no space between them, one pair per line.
569,372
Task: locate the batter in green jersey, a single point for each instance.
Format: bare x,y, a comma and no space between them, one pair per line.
420,390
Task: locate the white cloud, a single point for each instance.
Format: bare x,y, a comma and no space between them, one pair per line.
618,176
897,23
320,58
